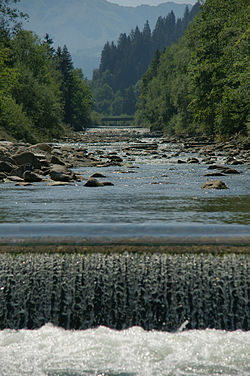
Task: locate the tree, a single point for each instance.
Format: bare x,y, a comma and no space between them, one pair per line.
81,101
37,90
218,65
122,65
199,85
10,18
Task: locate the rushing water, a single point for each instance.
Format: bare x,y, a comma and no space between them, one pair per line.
126,314
52,351
157,291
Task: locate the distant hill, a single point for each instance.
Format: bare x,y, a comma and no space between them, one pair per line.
86,25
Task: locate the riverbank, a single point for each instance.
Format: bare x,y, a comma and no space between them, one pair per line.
52,163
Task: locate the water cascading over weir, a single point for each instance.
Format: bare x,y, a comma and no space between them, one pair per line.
86,278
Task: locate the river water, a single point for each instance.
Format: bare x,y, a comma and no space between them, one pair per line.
148,190
52,351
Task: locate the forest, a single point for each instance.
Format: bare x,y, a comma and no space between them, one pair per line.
200,84
115,85
188,76
42,95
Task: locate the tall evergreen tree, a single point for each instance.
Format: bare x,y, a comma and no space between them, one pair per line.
122,65
199,86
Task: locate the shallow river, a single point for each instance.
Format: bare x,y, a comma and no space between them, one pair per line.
148,188
151,190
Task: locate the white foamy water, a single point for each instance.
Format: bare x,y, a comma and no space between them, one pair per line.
53,351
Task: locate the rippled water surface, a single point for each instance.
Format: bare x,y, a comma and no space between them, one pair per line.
148,188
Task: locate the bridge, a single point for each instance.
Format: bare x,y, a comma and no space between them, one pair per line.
117,120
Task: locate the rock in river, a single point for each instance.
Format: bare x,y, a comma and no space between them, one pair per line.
5,167
27,157
93,183
60,174
98,175
31,177
214,184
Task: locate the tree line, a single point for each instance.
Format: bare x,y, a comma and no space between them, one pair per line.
200,84
115,84
42,95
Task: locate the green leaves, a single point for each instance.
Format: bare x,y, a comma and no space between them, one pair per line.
203,79
124,63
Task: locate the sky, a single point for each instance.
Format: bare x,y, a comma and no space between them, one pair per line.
135,3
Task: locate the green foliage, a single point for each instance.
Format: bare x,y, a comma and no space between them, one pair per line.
37,90
124,63
77,98
81,101
200,84
40,91
95,118
13,121
10,18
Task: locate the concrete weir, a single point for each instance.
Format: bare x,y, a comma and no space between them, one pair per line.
119,276
124,237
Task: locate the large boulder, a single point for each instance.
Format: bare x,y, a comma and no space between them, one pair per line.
60,173
60,176
27,157
93,183
42,146
229,170
57,161
115,158
5,167
19,171
214,184
31,177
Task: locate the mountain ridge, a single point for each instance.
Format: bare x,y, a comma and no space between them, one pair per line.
86,25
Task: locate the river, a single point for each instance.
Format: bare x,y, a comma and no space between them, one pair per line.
143,314
149,187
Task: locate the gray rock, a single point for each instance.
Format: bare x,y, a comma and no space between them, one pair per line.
2,176
115,158
107,183
5,167
23,184
216,167
98,175
229,170
57,161
19,171
27,157
181,161
43,147
31,177
93,183
214,184
193,160
62,176
13,178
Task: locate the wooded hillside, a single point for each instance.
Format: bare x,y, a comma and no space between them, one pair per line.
123,64
200,84
41,94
